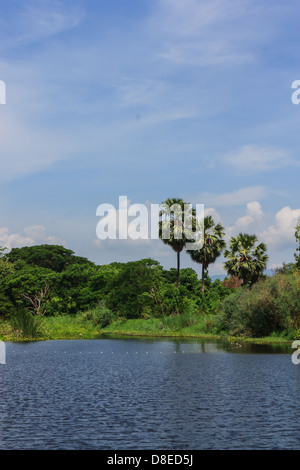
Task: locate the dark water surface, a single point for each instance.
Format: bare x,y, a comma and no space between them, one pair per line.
148,394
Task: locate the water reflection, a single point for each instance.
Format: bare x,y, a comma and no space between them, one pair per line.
148,394
204,345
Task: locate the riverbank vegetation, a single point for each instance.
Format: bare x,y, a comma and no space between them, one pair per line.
47,292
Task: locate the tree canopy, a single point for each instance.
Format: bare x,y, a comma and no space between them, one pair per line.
246,259
54,257
172,226
213,245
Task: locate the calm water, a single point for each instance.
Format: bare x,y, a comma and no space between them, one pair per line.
148,394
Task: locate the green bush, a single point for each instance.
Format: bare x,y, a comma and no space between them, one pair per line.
100,316
296,334
211,300
271,305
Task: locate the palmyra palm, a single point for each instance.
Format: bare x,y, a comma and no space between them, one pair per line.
171,226
213,245
246,259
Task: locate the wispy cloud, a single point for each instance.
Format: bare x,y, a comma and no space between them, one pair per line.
206,32
141,91
28,148
253,158
239,197
37,20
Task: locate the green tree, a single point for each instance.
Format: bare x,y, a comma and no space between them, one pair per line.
171,226
213,245
6,267
245,258
74,292
188,280
29,287
130,288
297,236
54,257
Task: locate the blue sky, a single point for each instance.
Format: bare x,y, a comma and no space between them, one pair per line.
150,99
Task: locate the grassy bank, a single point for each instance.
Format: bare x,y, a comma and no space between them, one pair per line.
60,327
165,326
74,327
156,328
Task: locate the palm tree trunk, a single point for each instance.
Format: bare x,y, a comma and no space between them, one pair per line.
178,268
202,278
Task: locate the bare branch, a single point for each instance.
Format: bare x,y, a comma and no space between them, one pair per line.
39,301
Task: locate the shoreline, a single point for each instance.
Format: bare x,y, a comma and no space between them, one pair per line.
113,334
68,328
200,336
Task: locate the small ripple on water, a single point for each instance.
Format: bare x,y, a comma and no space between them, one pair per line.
146,394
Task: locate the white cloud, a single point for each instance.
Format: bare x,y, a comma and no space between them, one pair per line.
253,215
239,197
33,235
283,231
279,237
213,213
254,158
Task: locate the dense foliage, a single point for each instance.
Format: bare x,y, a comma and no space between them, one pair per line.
271,306
49,280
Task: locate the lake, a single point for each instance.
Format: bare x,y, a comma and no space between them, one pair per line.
162,394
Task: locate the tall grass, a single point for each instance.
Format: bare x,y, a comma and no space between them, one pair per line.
25,325
179,322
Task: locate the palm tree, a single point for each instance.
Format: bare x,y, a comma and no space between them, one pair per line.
245,259
213,245
171,226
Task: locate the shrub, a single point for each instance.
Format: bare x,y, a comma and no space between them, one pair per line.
271,305
100,316
211,300
232,282
296,334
